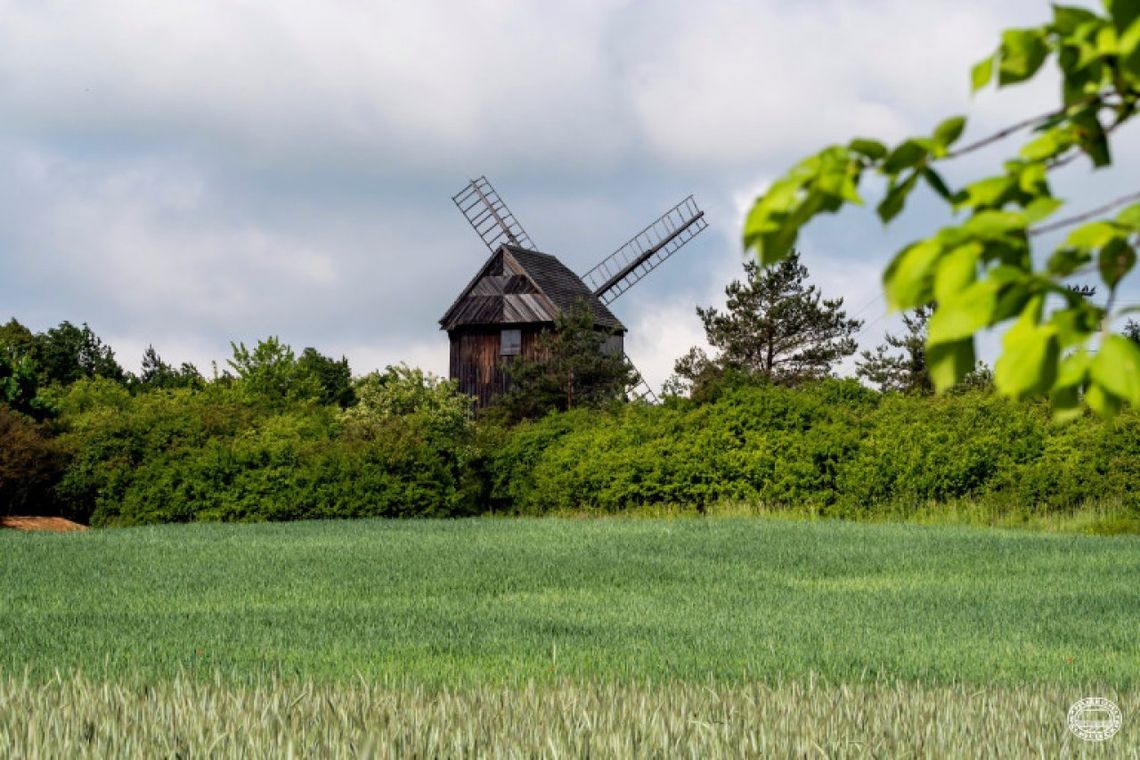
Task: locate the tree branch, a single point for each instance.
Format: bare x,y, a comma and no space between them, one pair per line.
1001,134
1084,217
1004,133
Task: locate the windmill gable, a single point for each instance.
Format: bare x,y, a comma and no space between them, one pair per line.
518,286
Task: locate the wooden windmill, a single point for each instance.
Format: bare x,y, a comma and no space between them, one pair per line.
519,291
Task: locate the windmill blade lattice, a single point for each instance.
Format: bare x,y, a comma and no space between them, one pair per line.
489,215
640,391
646,250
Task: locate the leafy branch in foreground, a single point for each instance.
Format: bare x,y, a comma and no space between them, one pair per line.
981,273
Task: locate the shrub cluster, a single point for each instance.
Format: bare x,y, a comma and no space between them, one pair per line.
834,448
213,454
244,449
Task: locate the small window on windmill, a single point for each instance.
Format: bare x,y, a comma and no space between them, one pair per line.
511,343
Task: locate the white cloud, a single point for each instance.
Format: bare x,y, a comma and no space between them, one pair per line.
349,84
185,174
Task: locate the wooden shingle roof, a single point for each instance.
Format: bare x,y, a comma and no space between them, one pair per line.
518,286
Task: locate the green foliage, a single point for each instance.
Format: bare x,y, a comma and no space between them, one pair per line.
16,340
158,374
31,463
35,367
262,446
776,328
979,273
270,374
333,377
835,448
573,367
19,386
724,601
67,353
184,455
903,372
402,391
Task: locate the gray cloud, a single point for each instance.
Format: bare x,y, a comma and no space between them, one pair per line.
185,174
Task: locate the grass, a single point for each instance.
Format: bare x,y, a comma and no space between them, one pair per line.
74,717
1109,517
495,601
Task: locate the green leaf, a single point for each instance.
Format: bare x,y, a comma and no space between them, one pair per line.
1066,404
1130,217
1040,208
897,193
1066,260
1092,138
996,225
949,362
1092,236
981,73
1011,300
1050,143
819,183
1074,369
1107,42
1116,260
1072,375
906,155
1028,362
1130,49
990,192
1066,18
1102,402
956,271
907,280
1031,179
948,132
1077,323
1022,53
1123,12
935,181
1116,368
768,229
963,315
872,149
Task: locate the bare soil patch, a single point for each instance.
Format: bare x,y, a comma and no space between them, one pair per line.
53,524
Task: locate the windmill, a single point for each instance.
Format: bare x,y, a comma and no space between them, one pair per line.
519,290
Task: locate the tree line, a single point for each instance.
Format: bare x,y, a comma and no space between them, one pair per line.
760,417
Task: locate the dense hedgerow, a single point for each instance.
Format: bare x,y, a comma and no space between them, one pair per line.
214,454
409,449
834,449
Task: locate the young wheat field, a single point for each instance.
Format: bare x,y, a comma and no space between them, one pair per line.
520,637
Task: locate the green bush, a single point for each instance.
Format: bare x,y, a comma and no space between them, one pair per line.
31,462
185,455
410,448
834,448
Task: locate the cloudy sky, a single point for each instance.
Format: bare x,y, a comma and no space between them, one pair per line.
186,174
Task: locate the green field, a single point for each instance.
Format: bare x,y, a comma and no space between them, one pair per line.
507,599
566,609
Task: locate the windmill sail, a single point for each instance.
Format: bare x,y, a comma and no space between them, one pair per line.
646,250
640,391
489,215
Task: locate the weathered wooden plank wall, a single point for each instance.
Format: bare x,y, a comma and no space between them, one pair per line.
477,364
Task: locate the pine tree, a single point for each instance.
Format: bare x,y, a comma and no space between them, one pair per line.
905,372
158,374
776,328
574,368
